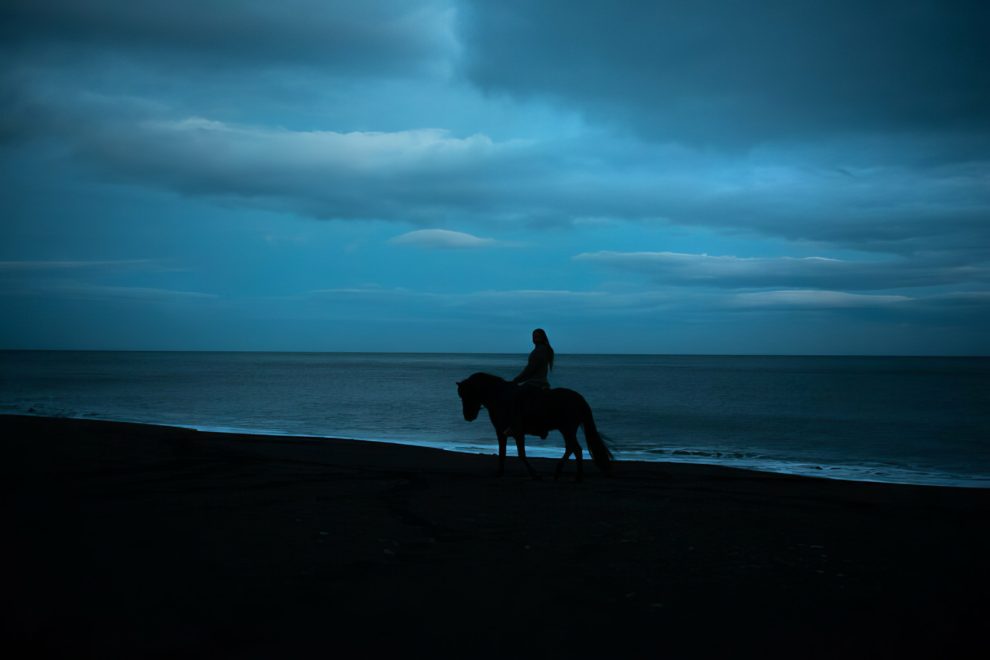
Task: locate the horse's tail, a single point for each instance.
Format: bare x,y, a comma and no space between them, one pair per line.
600,454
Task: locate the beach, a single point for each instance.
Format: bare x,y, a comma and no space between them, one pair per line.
129,541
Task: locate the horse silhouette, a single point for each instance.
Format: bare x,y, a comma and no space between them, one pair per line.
516,411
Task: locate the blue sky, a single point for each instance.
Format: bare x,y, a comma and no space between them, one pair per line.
641,177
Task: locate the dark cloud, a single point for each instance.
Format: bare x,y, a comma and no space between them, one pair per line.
892,209
385,35
737,74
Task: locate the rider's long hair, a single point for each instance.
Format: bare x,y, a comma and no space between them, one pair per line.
540,336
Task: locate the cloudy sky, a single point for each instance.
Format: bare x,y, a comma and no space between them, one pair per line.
444,175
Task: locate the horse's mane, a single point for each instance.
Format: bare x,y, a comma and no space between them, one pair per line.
482,382
482,377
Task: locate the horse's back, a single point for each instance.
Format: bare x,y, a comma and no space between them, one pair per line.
566,404
566,395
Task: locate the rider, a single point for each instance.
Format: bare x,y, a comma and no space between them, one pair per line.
532,379
539,364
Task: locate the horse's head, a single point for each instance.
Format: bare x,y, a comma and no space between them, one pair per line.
470,399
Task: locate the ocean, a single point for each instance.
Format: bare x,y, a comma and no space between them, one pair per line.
918,420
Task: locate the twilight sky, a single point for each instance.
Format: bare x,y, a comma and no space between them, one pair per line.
444,175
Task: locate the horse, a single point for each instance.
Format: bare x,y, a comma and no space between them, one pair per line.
516,411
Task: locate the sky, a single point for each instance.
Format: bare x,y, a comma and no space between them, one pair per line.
776,177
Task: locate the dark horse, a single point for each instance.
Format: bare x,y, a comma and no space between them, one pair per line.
516,411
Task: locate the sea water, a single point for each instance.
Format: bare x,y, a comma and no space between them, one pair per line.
923,420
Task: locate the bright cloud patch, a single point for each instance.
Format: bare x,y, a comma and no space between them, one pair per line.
408,174
443,239
246,149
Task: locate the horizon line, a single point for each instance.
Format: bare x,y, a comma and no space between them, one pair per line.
355,352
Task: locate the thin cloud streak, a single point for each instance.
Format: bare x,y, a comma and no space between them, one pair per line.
814,299
41,265
818,272
63,289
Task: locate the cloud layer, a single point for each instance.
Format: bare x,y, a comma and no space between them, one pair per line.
695,162
423,175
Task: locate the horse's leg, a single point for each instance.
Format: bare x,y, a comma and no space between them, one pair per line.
571,442
502,440
521,450
560,464
579,459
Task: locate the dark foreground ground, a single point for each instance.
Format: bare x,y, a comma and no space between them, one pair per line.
129,541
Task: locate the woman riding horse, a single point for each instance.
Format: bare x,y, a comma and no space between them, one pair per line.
560,408
533,378
539,364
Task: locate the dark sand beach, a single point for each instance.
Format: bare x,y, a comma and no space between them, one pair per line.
131,541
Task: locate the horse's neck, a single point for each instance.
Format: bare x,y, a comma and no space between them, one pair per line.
492,389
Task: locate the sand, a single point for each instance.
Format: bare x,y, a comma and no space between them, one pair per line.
134,541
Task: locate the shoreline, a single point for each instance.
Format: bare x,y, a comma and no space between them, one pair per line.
145,541
830,472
